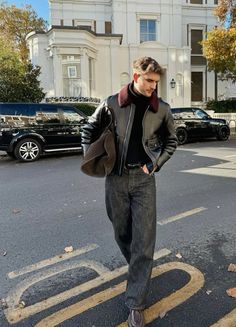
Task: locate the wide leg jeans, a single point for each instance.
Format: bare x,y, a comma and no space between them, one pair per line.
131,207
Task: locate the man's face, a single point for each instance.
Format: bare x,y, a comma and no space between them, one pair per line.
145,83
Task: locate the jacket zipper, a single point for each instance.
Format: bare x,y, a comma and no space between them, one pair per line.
126,135
144,146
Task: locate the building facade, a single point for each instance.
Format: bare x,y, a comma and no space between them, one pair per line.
90,46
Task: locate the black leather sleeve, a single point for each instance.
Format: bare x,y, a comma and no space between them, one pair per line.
95,126
169,139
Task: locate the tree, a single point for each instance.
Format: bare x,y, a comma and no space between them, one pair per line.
31,90
16,23
226,13
220,46
18,80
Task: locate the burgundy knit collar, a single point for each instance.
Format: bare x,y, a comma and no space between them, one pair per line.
124,99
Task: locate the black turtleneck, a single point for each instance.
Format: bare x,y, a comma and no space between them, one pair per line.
136,152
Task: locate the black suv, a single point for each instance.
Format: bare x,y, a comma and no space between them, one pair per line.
193,123
28,130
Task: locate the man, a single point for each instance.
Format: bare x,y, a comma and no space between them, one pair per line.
145,140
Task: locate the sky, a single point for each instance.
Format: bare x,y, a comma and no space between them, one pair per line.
40,6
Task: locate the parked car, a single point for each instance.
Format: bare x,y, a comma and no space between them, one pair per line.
195,123
27,130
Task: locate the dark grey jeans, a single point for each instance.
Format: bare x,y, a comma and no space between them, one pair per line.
131,207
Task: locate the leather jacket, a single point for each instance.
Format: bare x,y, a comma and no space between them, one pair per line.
159,139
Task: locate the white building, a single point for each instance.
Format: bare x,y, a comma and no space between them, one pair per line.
91,44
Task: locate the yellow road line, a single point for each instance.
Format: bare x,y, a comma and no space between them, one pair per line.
52,261
181,216
162,306
227,321
15,314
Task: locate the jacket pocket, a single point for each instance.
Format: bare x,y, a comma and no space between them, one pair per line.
154,144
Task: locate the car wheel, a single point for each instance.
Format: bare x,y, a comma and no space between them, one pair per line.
182,135
28,150
11,154
223,133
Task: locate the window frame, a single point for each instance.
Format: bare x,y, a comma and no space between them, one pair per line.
69,69
148,16
199,69
147,35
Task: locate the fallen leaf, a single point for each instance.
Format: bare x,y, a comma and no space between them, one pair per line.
179,256
3,253
3,304
22,304
16,211
232,267
232,292
69,249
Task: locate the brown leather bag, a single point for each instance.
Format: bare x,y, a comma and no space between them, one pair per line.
100,158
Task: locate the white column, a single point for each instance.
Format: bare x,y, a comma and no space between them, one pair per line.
57,70
85,72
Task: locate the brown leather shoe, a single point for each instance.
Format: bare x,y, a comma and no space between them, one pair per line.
136,318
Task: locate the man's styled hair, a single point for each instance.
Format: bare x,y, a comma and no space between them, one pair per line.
147,65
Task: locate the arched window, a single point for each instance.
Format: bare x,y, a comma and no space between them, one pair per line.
179,84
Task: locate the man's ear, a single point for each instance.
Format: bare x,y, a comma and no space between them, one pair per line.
135,77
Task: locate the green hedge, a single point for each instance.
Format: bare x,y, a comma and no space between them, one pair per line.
222,106
86,108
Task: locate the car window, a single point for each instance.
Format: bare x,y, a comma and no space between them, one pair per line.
14,109
71,115
200,113
175,110
47,115
14,114
182,113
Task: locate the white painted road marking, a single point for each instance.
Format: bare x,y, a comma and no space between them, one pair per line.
227,170
181,216
52,261
234,155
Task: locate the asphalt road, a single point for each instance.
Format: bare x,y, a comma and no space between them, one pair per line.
49,205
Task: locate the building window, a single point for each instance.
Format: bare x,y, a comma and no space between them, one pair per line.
216,2
71,68
85,27
196,38
197,87
196,2
147,30
108,27
85,24
72,72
